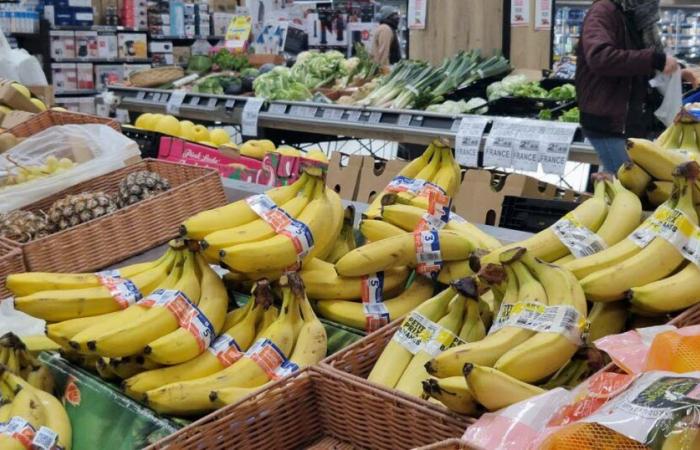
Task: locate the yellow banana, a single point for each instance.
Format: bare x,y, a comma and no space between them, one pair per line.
41,378
236,213
689,142
606,319
657,162
495,390
634,178
312,342
181,345
56,419
351,313
624,214
659,191
269,316
228,396
427,173
674,293
325,242
454,270
473,329
376,230
322,282
346,240
452,392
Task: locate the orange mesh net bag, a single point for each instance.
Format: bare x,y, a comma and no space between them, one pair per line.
676,351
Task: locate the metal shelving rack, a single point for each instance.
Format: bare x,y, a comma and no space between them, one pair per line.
309,122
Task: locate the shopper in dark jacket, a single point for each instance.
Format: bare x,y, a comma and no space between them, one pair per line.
619,51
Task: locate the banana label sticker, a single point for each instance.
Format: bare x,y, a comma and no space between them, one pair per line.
405,184
577,237
428,255
20,430
441,340
269,358
417,331
429,189
649,229
123,291
226,350
284,224
376,313
45,439
438,213
187,314
535,316
673,226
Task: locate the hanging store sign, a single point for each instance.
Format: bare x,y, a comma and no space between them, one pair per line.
519,13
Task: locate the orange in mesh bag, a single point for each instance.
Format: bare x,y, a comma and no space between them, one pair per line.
675,352
589,436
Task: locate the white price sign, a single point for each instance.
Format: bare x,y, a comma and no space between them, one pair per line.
277,108
249,118
468,140
404,120
174,102
354,115
333,113
556,145
526,149
498,151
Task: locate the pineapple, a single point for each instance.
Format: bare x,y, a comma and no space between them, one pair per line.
73,210
139,186
23,226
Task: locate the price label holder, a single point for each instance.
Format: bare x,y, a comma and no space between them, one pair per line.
249,118
174,102
122,115
333,113
156,97
354,115
277,108
212,103
498,151
141,95
303,111
404,120
527,148
468,140
556,146
375,117
228,106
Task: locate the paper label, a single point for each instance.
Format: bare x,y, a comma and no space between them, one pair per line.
441,340
45,439
674,227
284,224
354,115
186,313
226,350
498,150
428,188
123,291
333,113
174,102
405,184
404,120
438,213
277,108
20,430
250,115
468,140
428,255
268,356
285,369
376,313
535,316
414,332
577,238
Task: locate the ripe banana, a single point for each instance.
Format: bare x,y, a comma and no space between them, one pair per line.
427,173
634,178
412,378
452,392
326,241
322,282
454,270
473,329
659,191
236,213
312,342
606,319
399,251
181,345
495,390
346,239
689,142
58,305
395,358
654,262
376,230
351,313
624,214
657,162
674,293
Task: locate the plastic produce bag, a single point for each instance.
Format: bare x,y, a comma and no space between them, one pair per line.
97,149
18,65
671,87
629,350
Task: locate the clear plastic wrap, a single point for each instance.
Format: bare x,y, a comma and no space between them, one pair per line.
96,150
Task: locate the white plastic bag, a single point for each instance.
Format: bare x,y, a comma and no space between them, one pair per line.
97,149
17,322
671,87
7,71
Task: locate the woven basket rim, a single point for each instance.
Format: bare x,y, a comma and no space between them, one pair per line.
206,172
9,247
51,113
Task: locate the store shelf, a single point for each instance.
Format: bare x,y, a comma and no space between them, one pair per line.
104,60
406,126
76,92
587,3
161,37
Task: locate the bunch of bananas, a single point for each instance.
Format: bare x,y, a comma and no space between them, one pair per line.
15,357
649,174
226,375
306,223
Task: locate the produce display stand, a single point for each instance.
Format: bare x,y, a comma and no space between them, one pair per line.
326,121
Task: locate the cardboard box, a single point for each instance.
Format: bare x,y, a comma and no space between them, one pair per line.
85,105
226,161
84,75
344,174
162,59
62,44
64,77
86,44
375,175
70,16
182,54
160,46
107,46
132,45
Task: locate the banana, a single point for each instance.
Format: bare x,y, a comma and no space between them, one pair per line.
63,332
395,358
411,380
58,305
129,366
21,284
473,329
312,342
322,282
446,177
57,419
427,173
659,191
657,162
624,214
545,352
325,242
495,390
351,313
257,230
346,240
181,345
634,178
241,333
268,318
376,230
453,271
41,378
280,252
27,405
606,319
484,240
228,396
656,261
664,139
236,213
131,338
674,293
5,413
40,343
399,251
689,142
192,397
452,392
546,245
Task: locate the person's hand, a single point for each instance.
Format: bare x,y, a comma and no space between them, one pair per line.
689,77
671,65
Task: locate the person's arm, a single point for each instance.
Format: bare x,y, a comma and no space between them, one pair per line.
382,44
604,58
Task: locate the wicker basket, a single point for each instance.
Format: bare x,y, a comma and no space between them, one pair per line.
156,76
11,261
357,360
48,119
316,408
450,444
128,231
